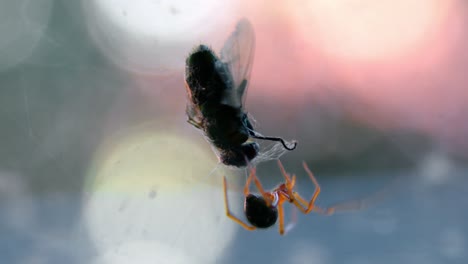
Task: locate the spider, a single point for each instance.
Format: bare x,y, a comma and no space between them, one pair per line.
262,211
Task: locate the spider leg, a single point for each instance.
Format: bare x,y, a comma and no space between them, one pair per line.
228,212
281,218
307,206
299,202
351,205
247,182
290,181
354,205
283,171
311,203
302,205
258,184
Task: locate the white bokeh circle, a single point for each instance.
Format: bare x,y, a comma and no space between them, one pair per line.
148,36
142,190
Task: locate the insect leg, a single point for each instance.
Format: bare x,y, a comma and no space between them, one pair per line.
194,123
257,135
193,114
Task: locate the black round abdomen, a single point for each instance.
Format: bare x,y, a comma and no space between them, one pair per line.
258,213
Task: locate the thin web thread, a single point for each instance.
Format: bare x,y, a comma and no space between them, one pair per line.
271,152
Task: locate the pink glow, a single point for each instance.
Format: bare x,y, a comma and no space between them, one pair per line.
395,64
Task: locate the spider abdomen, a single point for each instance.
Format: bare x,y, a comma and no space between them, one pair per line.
258,213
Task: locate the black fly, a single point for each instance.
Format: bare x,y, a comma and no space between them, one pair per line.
216,88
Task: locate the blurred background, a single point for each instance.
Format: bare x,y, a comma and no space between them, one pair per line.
98,164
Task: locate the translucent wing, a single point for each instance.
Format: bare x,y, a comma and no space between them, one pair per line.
237,55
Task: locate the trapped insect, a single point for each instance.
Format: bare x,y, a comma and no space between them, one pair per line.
216,88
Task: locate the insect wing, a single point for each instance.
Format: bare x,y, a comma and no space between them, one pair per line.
237,55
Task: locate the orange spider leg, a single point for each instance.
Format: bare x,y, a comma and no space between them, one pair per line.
299,202
282,229
281,217
268,198
306,206
289,182
266,195
228,212
283,171
247,183
291,185
317,188
302,204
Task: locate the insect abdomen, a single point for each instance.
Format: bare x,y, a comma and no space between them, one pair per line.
206,81
225,127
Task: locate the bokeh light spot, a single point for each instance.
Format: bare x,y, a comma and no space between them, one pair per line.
369,30
153,36
143,190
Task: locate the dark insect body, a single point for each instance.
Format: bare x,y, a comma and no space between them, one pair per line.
216,87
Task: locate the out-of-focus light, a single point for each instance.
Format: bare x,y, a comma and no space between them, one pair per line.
151,36
22,25
307,252
370,30
143,252
453,243
141,192
435,169
17,206
391,64
384,223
